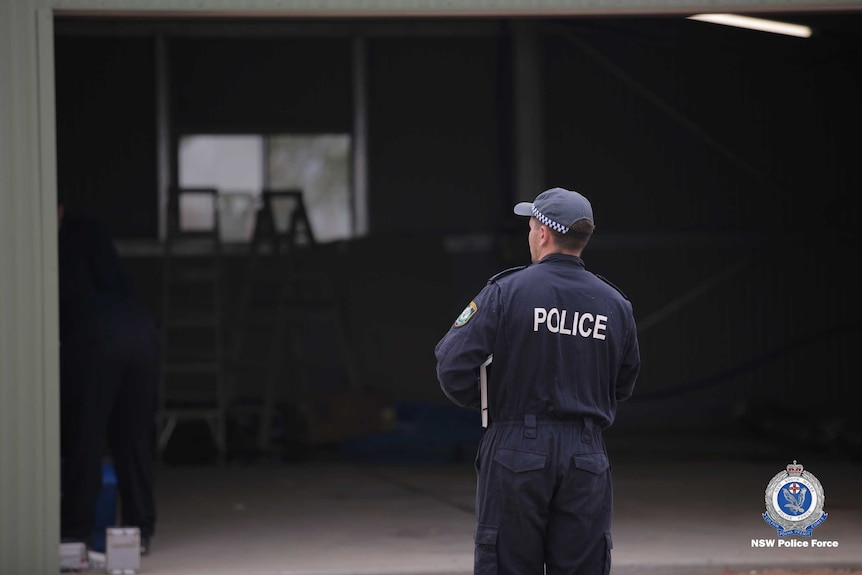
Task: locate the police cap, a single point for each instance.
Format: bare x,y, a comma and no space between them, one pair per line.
558,209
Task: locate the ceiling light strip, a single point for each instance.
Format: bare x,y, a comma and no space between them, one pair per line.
751,23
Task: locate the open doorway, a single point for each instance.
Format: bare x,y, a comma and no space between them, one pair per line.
439,165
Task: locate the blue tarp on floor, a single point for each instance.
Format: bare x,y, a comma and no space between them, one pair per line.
424,433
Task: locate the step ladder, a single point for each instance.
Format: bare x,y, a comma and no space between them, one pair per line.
281,304
193,385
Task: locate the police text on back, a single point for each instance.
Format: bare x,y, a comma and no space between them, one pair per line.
583,324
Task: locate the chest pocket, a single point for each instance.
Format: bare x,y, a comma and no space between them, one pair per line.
520,461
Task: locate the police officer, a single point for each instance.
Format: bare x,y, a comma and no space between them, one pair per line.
109,373
565,351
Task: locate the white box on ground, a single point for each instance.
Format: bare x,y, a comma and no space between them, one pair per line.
123,550
73,557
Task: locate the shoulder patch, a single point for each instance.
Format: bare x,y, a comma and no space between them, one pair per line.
505,273
468,312
607,281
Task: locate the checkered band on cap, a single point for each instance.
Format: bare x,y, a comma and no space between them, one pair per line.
549,222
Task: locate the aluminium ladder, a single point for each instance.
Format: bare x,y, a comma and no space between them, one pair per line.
193,383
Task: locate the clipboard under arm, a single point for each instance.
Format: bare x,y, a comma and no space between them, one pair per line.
483,388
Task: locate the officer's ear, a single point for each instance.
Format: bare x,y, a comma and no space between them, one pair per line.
545,235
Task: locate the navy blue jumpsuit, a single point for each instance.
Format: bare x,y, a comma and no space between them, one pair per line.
565,351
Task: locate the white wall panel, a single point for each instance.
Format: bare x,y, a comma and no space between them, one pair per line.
29,421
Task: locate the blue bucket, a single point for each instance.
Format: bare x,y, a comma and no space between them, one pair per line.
106,507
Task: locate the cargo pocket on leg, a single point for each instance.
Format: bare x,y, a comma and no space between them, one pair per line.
486,550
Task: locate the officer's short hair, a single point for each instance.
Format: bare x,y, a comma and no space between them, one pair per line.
576,238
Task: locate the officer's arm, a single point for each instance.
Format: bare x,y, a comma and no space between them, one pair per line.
466,346
630,365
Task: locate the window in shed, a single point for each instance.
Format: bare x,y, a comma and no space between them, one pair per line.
241,166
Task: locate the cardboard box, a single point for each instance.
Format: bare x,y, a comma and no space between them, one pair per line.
345,414
123,553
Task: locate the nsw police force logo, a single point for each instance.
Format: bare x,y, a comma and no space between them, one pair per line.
794,502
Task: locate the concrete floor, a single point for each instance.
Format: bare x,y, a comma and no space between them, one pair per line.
685,505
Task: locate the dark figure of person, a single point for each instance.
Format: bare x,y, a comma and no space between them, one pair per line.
109,373
565,351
